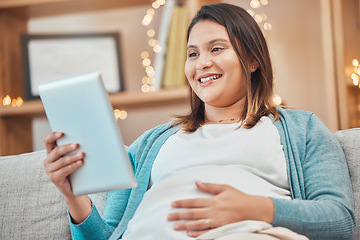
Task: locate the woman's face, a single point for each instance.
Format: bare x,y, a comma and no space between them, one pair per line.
212,68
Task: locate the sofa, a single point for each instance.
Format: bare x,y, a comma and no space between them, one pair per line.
32,208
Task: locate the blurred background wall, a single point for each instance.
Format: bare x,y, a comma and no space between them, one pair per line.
308,43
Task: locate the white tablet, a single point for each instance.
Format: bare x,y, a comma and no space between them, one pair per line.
80,108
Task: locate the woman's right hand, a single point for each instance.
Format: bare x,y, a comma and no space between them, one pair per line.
57,166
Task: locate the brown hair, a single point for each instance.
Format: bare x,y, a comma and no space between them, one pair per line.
249,44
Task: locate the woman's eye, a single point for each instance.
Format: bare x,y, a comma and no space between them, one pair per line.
192,54
216,49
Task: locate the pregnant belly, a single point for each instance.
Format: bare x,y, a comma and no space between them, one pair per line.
151,214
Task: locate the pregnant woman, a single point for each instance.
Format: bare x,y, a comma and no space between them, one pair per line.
235,167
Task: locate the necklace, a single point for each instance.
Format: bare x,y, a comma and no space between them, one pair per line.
221,120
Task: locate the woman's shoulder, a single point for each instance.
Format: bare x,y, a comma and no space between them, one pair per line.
298,117
151,135
292,112
301,120
160,128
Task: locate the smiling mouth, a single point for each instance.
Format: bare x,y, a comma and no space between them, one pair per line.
202,80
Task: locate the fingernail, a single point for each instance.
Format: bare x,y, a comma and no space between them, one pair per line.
177,226
171,217
58,134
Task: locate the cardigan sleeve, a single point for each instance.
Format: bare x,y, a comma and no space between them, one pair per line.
93,227
325,208
98,227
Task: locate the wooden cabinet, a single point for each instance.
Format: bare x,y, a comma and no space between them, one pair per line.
15,123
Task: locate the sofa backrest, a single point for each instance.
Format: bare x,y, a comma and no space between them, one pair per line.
350,142
30,205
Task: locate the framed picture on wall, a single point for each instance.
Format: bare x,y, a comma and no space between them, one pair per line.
51,57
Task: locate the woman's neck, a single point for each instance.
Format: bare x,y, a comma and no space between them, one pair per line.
227,114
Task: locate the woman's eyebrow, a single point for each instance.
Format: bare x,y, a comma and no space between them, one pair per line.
218,40
209,43
190,46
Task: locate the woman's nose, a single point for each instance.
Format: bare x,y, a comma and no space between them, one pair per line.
203,62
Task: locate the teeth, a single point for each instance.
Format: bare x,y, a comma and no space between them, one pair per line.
209,78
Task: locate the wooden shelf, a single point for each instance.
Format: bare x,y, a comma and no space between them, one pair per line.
127,100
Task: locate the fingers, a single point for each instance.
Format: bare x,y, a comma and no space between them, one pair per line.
61,174
199,214
211,187
65,161
50,140
191,203
60,151
58,169
196,233
188,214
58,162
197,225
201,202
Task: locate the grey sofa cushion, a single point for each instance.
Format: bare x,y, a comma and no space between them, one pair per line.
350,141
30,207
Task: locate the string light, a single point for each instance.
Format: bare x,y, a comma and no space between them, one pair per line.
157,48
146,62
355,76
262,17
120,114
16,102
151,33
267,26
153,43
255,4
6,100
277,100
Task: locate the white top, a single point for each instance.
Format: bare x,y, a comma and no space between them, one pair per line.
251,160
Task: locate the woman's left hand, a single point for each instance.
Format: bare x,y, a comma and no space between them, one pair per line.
227,205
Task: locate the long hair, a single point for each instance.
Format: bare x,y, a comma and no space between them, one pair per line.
249,44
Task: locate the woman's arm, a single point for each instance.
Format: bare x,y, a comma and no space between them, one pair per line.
85,221
323,205
99,227
325,209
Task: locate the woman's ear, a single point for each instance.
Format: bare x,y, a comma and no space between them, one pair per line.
254,65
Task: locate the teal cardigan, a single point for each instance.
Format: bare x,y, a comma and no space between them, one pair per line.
322,205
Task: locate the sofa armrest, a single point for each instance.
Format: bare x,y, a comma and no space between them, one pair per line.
350,142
